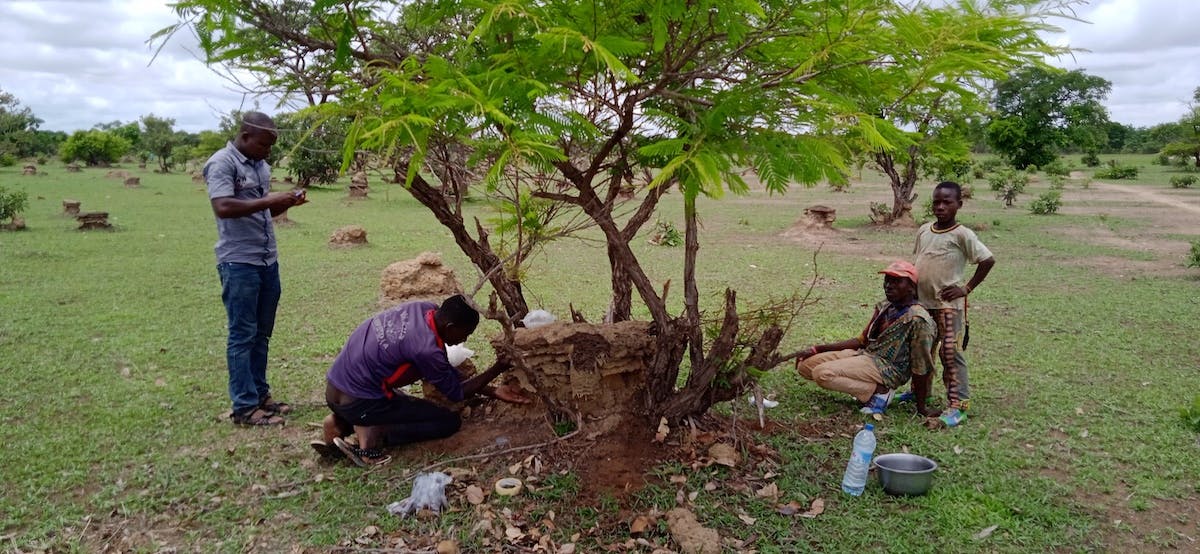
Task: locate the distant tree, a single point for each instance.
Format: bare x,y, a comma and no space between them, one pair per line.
208,142
1187,143
1118,136
1039,111
131,131
159,139
18,127
312,147
94,147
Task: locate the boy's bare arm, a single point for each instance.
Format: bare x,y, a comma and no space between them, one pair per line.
981,273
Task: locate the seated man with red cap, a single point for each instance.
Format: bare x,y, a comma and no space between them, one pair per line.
895,346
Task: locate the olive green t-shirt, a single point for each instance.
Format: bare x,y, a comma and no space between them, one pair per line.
941,257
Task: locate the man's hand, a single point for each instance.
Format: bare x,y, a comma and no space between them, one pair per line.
952,292
511,395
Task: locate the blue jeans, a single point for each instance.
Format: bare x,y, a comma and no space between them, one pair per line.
251,295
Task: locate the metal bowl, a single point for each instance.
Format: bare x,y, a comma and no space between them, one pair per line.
905,474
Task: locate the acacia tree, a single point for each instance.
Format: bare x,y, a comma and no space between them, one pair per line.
925,94
574,104
1039,110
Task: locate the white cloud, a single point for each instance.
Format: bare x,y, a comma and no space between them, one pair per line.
1147,48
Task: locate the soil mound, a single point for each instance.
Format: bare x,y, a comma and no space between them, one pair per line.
421,278
348,236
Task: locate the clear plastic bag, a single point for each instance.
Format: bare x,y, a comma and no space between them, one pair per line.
458,353
537,318
428,492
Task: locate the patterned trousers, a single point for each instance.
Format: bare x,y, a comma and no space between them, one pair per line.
948,347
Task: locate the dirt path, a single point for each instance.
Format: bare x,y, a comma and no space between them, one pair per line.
1149,196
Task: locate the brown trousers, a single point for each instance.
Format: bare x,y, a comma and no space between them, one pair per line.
847,371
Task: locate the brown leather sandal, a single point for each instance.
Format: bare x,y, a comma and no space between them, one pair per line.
269,404
257,418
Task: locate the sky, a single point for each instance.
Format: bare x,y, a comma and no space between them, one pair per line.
77,63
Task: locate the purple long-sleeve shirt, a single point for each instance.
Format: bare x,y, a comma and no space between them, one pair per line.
396,347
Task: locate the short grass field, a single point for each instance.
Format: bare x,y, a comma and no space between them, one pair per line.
1083,351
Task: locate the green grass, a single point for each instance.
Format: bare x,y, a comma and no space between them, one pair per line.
112,372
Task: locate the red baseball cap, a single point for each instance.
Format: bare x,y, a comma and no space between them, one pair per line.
900,268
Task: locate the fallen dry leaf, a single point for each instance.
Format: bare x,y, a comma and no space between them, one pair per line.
513,533
710,486
447,547
514,469
678,479
370,531
639,525
986,532
474,495
663,430
818,508
958,449
790,509
769,491
692,496
1083,434
724,454
1078,410
568,548
746,519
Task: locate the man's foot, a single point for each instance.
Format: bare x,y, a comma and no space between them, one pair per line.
362,457
878,403
906,396
257,417
269,404
951,417
327,450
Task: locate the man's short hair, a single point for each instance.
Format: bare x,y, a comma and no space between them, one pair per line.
950,185
457,311
254,122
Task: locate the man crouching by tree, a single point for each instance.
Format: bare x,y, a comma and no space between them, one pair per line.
395,348
896,345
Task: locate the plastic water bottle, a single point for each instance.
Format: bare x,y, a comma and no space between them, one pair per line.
855,479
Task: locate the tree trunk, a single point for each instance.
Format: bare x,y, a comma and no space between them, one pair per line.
691,293
477,250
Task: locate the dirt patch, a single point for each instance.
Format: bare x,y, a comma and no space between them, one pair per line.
348,237
1164,525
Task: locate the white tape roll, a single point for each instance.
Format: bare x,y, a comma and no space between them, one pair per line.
508,486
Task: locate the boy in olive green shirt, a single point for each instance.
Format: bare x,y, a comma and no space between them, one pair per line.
942,251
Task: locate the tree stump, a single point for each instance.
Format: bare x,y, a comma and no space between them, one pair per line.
820,216
358,185
348,236
133,182
17,223
282,220
73,168
93,220
29,170
70,207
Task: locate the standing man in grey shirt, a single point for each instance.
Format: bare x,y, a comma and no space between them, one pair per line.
239,188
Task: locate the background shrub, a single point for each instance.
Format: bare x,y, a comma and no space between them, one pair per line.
1047,203
1117,171
1183,181
11,203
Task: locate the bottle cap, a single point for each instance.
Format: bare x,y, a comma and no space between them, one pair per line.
869,427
